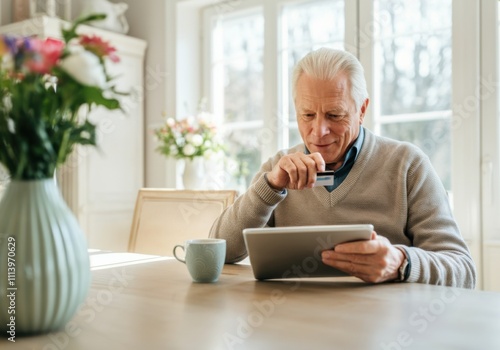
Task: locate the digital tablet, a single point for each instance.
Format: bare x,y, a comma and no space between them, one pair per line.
295,251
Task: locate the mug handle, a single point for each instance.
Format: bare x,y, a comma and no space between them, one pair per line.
175,255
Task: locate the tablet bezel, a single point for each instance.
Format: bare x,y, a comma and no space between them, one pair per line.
294,251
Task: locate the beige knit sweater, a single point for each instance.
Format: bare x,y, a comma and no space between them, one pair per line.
392,185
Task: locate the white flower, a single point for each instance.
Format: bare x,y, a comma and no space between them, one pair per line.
204,118
180,141
188,149
84,67
7,102
11,125
7,62
190,121
173,150
197,140
209,154
170,122
189,137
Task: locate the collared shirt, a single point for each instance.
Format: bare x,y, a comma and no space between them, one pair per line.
350,158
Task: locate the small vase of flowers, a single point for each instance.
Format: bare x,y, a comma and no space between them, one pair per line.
192,139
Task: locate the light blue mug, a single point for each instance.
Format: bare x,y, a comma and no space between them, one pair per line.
204,258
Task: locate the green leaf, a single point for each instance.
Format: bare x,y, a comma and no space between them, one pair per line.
70,33
94,95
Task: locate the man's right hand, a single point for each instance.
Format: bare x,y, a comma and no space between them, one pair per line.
296,171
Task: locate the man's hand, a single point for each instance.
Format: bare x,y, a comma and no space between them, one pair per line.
376,260
296,171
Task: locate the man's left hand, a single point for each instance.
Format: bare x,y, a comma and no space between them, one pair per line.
375,260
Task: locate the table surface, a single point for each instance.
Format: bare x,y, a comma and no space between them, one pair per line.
148,302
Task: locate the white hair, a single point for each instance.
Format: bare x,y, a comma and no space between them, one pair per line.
326,64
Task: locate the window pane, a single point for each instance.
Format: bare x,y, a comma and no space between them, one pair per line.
433,137
414,73
243,42
313,24
412,76
403,18
244,148
295,138
307,26
238,44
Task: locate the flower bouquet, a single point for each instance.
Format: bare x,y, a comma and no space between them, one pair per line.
44,83
189,137
192,140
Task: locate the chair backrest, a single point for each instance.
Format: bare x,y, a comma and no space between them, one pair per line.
166,217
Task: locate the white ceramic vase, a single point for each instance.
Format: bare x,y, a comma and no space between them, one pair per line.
44,265
193,176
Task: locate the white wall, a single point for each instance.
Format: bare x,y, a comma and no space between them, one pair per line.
153,21
5,12
148,21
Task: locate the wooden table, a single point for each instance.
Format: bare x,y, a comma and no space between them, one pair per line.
147,302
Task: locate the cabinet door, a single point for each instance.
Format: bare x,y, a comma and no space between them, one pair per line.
110,176
113,173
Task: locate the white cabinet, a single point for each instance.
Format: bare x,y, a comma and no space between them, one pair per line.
101,184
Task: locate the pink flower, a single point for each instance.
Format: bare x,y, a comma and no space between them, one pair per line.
99,47
44,55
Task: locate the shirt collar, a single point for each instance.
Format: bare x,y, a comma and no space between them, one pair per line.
353,152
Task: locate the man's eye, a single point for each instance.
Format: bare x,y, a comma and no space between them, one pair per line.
308,115
336,116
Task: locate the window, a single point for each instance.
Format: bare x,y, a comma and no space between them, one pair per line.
432,69
411,74
306,26
409,70
412,77
238,80
237,85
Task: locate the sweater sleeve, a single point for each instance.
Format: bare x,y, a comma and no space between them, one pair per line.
438,254
252,209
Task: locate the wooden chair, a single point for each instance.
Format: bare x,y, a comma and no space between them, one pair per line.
166,217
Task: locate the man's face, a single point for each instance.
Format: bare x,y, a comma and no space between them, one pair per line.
327,118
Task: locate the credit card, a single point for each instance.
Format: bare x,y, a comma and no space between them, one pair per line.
324,178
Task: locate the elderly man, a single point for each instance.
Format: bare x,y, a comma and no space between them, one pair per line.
387,183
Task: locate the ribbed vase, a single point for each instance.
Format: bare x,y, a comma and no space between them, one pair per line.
44,263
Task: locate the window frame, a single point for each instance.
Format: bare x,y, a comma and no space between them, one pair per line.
489,105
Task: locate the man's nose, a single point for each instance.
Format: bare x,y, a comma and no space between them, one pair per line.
320,127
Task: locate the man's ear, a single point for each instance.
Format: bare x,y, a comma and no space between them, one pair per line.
362,111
